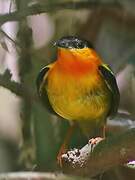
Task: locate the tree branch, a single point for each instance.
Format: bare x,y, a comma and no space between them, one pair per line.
51,7
38,175
14,87
111,152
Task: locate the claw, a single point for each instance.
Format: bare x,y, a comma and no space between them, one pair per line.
62,151
64,146
95,141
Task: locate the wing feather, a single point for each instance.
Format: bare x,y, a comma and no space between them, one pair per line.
41,83
111,83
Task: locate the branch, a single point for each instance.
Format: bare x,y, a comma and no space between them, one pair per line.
8,37
111,152
51,7
122,122
38,175
14,87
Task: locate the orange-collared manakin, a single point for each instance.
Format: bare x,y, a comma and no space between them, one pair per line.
78,86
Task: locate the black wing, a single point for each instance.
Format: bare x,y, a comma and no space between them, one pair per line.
41,83
111,83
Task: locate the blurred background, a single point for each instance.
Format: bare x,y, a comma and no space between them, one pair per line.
30,137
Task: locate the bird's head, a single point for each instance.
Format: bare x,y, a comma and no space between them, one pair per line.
76,54
74,47
73,42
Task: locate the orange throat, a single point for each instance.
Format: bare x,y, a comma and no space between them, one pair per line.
78,62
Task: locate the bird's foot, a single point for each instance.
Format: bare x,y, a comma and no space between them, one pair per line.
62,151
94,141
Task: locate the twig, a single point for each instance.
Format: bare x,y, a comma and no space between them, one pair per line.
5,81
37,176
43,7
9,38
109,153
16,88
122,122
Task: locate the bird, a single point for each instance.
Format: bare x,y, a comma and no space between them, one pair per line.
79,87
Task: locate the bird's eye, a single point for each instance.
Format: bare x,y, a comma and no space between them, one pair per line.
80,45
62,44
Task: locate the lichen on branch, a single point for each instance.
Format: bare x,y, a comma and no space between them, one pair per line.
109,153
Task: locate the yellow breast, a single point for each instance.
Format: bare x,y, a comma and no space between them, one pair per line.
78,98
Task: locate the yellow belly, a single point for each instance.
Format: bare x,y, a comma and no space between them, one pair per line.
86,98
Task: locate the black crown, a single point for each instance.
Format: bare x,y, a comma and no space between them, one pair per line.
71,42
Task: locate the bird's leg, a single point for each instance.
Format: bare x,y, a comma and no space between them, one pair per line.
104,131
65,144
95,141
